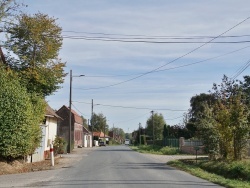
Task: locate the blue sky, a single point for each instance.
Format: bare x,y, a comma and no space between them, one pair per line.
106,63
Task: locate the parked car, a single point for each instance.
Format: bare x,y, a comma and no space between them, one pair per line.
102,144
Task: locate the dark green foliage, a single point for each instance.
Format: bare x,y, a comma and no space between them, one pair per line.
178,131
165,132
20,116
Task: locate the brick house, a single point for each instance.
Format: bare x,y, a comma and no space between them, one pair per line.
76,127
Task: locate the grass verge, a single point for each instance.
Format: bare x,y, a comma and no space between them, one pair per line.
199,171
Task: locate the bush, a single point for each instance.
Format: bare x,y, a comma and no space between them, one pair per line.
59,145
169,151
20,132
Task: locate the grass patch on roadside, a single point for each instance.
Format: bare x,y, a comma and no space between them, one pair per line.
228,174
156,150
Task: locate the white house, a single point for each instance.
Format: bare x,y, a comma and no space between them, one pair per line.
87,138
49,132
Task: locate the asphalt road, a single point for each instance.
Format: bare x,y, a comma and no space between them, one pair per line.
105,167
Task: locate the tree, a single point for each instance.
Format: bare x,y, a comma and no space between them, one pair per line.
158,123
165,132
20,116
99,122
7,11
7,8
197,105
224,124
35,41
118,131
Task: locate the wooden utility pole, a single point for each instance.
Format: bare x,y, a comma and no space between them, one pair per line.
153,127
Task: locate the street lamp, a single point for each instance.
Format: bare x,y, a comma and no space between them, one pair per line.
70,102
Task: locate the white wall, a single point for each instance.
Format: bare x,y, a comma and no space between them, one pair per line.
51,131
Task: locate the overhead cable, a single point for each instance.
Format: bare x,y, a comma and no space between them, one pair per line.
174,60
138,108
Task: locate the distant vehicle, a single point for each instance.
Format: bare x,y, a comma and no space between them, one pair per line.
127,141
101,144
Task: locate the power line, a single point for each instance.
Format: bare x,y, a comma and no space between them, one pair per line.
175,118
129,107
78,110
242,69
197,62
149,41
174,60
134,36
132,118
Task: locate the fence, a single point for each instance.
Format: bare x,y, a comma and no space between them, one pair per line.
191,146
171,142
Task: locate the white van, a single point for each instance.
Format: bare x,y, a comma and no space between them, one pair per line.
127,141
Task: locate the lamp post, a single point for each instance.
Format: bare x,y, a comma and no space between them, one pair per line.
70,114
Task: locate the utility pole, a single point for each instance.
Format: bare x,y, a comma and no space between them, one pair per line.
70,98
139,133
91,121
153,127
70,114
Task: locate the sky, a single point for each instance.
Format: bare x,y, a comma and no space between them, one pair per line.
144,55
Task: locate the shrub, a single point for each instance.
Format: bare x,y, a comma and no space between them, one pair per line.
20,133
59,145
169,151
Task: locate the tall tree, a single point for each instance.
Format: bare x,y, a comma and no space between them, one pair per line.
36,41
157,123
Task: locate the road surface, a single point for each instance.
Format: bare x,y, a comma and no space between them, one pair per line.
108,167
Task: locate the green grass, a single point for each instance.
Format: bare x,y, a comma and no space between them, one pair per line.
228,174
156,150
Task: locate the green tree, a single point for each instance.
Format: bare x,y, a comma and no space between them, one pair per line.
99,122
20,117
232,102
157,122
165,132
224,125
118,131
35,41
